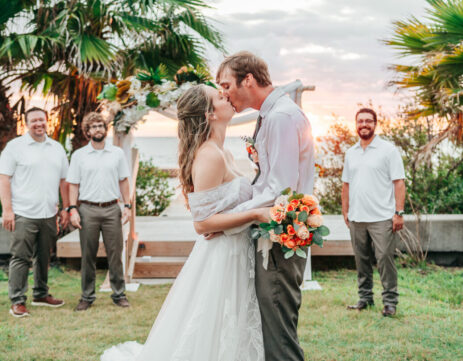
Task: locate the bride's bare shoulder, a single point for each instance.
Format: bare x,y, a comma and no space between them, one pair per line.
209,152
209,167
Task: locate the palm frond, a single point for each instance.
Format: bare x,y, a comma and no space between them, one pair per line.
197,22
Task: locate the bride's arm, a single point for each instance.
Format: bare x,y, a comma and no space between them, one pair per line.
209,170
222,222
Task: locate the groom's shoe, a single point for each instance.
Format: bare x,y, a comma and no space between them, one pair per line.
389,311
361,305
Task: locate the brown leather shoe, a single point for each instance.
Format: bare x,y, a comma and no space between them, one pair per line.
122,302
19,310
360,306
83,305
388,311
48,301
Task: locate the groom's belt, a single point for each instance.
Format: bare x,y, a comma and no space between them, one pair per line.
100,204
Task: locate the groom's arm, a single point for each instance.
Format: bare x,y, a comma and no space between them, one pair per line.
285,132
283,150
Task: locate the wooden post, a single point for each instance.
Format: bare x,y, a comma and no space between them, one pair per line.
130,250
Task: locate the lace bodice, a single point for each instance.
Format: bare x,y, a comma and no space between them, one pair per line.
220,199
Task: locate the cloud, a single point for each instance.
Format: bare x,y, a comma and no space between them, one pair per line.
332,44
320,49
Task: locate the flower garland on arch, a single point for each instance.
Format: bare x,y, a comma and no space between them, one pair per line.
127,101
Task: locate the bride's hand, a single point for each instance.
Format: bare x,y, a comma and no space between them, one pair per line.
262,215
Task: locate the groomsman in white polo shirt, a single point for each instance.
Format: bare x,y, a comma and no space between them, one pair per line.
98,175
32,169
373,197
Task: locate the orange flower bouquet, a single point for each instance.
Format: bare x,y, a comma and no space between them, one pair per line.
296,223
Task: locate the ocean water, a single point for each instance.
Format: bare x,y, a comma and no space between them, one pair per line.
164,150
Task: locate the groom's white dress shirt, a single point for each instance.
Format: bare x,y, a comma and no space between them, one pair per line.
285,149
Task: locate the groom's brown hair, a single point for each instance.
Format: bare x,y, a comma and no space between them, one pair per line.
244,63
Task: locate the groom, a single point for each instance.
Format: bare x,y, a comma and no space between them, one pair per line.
283,140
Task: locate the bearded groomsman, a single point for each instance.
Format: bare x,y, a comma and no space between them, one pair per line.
373,197
98,174
32,169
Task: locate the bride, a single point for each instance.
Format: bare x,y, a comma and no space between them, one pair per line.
211,312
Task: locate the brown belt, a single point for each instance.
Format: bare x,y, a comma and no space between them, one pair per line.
101,204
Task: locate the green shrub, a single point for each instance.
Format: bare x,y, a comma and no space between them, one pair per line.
153,190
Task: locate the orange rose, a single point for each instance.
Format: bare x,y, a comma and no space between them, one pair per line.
298,241
305,208
291,230
277,213
290,208
284,238
295,202
290,243
315,211
307,241
310,201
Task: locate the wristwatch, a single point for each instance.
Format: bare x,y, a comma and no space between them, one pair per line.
399,213
128,205
68,209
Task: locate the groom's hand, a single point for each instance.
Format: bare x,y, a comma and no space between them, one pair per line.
209,236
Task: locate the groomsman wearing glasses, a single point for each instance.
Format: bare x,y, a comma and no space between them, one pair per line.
98,174
32,169
373,197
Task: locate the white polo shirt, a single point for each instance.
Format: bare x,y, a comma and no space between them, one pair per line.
98,172
370,173
36,169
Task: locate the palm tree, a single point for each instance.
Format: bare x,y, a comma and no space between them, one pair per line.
9,113
74,46
435,70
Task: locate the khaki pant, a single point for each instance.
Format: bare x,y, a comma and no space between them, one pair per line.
31,241
106,220
376,238
279,295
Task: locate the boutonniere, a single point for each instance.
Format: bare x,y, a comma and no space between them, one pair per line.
251,149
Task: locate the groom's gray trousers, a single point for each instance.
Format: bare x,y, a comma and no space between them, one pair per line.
279,295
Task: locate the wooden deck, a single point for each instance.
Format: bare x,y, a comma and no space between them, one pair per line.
165,242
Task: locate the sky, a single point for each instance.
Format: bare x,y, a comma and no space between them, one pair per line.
332,44
335,45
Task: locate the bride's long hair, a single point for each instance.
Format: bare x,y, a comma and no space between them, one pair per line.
193,130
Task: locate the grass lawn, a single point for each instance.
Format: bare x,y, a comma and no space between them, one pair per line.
428,326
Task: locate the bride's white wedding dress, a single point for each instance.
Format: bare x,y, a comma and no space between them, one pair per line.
211,312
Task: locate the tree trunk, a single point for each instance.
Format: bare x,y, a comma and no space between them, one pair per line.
8,119
83,101
78,140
